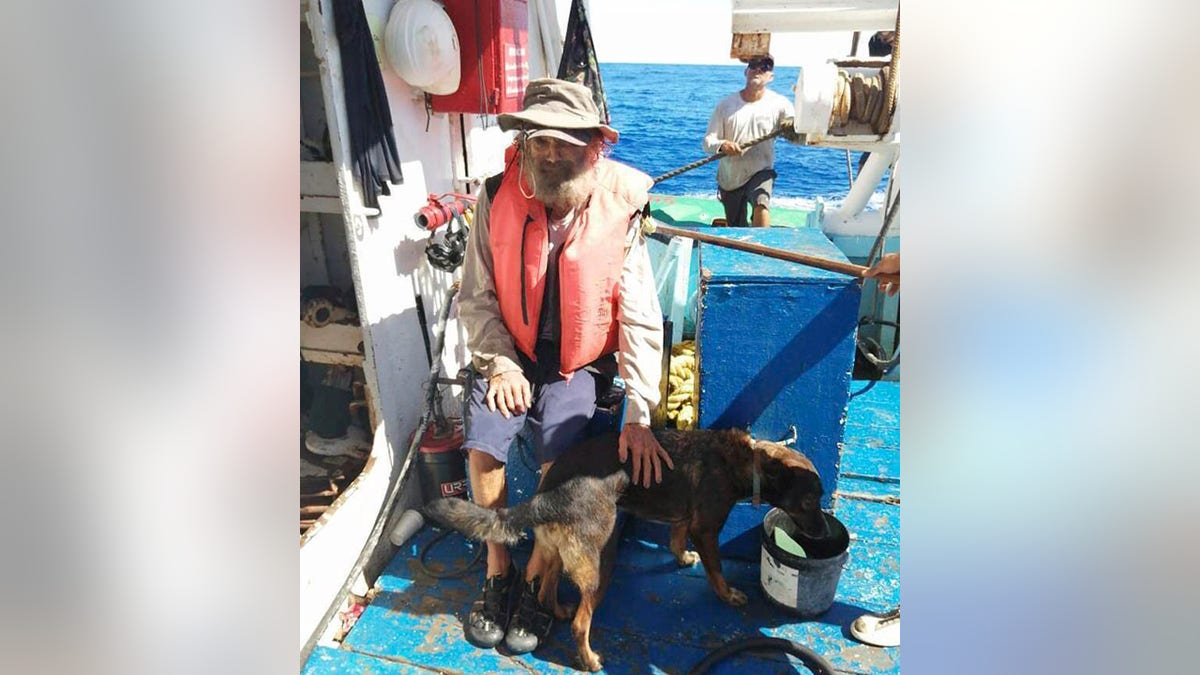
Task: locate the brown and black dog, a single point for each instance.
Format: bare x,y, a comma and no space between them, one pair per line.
574,512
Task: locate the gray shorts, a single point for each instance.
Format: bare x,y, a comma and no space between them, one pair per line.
560,412
755,191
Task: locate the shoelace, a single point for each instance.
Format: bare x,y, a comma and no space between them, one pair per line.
889,618
530,613
493,597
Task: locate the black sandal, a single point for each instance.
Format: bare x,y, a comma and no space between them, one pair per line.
531,623
486,624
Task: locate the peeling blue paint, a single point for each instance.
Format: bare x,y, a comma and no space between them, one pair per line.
656,617
776,343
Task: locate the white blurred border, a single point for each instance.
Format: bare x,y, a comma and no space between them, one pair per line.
151,183
1049,158
151,411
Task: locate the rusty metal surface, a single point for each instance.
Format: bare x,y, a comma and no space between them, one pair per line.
747,45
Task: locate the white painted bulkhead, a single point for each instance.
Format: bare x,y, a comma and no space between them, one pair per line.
439,153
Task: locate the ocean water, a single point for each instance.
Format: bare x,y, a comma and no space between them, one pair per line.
662,113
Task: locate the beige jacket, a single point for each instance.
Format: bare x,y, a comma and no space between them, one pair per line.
639,352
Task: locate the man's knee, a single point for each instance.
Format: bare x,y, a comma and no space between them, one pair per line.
762,216
484,461
489,487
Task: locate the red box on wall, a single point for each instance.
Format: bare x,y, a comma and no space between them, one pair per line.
493,39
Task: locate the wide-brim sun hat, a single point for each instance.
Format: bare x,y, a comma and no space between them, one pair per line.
557,104
579,137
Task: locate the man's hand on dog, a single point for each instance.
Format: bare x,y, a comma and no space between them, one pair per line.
509,393
639,442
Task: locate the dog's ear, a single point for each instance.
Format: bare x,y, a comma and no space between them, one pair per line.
804,462
791,457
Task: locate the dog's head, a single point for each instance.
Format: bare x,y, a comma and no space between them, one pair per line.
791,482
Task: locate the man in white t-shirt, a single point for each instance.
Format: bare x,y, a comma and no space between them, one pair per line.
745,177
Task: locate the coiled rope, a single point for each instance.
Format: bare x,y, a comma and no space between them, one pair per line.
864,99
890,103
682,393
868,99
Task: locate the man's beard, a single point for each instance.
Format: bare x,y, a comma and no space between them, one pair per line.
562,185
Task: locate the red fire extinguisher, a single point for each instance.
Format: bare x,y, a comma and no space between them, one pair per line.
442,461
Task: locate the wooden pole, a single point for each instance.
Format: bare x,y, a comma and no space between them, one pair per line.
779,254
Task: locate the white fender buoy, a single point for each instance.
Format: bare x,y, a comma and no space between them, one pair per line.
815,88
422,46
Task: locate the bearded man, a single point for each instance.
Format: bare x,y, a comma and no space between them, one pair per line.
556,279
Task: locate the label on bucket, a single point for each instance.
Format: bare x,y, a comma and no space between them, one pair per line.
454,488
778,580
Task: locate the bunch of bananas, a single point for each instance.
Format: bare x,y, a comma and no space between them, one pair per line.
682,390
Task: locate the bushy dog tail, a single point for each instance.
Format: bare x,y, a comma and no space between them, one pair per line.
500,526
578,498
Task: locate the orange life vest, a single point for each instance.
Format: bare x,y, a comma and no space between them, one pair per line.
589,263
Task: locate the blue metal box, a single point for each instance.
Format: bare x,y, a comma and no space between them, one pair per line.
775,342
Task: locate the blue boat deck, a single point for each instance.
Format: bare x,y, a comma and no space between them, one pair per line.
657,618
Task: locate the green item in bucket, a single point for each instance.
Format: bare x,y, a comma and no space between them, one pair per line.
784,541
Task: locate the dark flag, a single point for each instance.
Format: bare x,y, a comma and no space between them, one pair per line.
578,62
